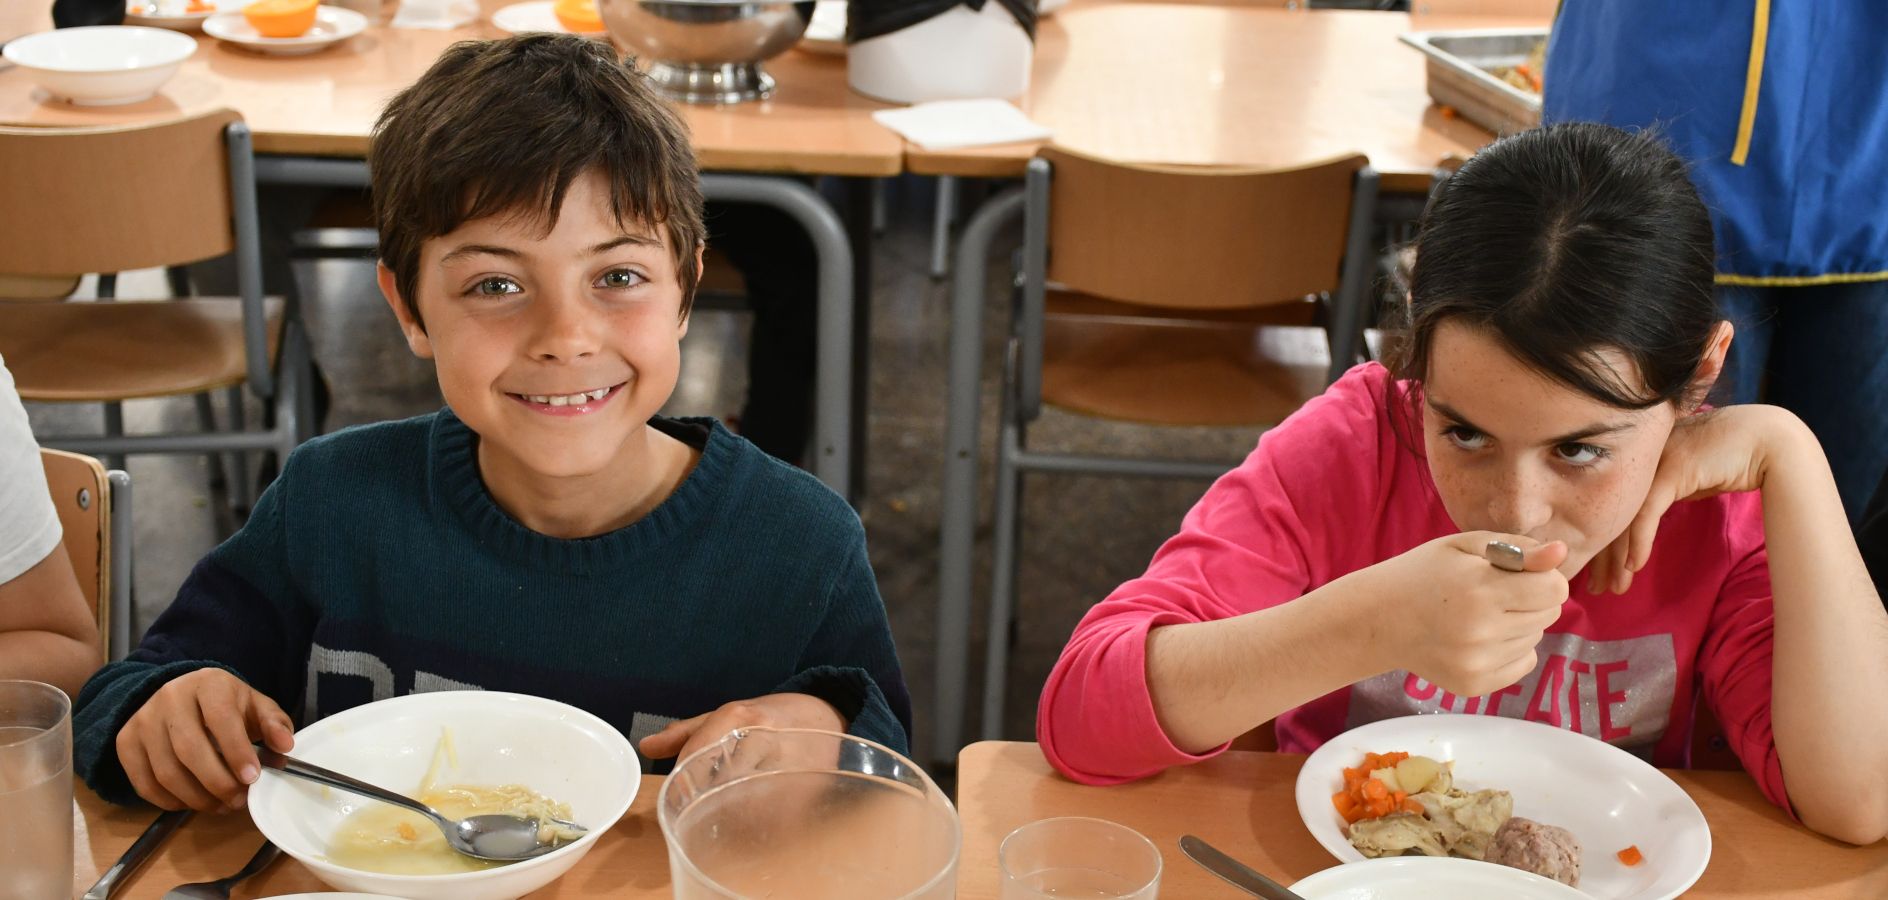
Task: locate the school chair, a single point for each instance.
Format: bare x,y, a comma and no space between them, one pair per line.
115,198
1171,295
95,513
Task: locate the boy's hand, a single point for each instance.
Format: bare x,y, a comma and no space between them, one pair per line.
775,710
190,744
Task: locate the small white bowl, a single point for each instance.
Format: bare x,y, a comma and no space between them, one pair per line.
101,65
1430,878
557,750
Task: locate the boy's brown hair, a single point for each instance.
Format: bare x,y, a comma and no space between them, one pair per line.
503,127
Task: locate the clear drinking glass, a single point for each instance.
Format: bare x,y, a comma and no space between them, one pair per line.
797,813
1078,857
35,792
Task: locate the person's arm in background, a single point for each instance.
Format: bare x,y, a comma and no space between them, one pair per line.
46,632
1872,538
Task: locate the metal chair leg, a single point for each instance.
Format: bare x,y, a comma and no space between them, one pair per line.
115,427
881,206
206,420
1004,540
240,487
944,215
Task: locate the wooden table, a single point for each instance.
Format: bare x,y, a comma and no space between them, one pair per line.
1230,84
1243,804
628,862
324,104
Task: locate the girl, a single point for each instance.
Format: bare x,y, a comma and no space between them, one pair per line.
1562,337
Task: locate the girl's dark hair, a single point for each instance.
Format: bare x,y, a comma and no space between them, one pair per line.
1565,241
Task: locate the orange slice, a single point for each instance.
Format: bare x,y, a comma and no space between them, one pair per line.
281,18
578,16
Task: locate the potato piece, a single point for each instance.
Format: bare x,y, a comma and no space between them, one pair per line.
1416,773
1389,779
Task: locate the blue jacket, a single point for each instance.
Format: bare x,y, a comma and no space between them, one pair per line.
1781,108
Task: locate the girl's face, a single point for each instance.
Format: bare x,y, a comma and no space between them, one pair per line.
1514,451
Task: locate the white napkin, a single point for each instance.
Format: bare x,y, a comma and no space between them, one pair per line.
437,15
946,124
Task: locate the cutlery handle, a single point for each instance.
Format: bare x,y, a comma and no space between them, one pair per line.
141,850
291,766
265,855
1234,872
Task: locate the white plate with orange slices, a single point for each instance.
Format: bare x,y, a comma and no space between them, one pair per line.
176,15
286,27
556,16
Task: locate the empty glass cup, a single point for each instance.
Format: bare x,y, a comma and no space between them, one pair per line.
35,792
796,813
1078,857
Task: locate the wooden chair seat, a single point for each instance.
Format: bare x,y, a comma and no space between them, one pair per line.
101,352
1169,367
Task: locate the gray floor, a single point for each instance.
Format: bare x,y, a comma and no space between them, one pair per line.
1083,535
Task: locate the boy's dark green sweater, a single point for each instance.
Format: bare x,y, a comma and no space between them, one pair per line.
378,565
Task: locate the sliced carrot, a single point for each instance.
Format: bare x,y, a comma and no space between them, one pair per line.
1344,803
1411,806
1374,789
1631,856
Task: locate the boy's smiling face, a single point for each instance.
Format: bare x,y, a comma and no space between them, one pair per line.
556,347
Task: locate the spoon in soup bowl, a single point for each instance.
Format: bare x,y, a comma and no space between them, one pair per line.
498,837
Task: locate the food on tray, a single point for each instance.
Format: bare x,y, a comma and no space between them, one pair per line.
1527,75
388,839
1384,783
281,18
1396,804
163,8
578,16
395,841
1449,823
1542,849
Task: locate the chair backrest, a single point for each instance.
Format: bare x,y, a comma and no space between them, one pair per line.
81,492
1197,238
110,199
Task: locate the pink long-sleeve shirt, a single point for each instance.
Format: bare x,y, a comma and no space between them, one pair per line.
1341,485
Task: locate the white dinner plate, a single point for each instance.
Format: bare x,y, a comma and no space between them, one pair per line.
1429,878
170,13
1607,797
332,26
524,18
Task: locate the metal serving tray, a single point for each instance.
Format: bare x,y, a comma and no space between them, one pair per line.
1461,65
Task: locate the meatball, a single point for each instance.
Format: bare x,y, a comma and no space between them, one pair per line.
1542,849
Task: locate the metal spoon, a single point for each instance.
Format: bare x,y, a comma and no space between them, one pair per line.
499,838
1234,872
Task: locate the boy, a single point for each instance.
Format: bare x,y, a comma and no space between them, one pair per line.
540,236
